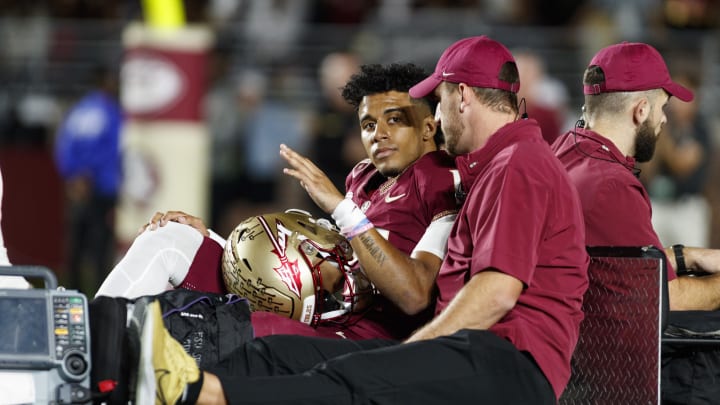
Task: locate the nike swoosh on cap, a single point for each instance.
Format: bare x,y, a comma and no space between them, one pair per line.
446,74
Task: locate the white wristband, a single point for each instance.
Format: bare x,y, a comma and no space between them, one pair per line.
347,215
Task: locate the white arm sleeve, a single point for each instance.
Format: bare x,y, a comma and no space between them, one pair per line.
155,260
435,238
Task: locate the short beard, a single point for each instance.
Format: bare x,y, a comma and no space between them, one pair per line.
451,141
645,140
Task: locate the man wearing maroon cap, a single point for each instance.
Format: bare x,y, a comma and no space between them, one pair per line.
510,287
521,218
626,88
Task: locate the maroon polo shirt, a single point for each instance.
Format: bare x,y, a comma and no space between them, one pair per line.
522,217
616,206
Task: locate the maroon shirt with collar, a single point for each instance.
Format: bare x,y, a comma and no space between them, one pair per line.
616,206
522,216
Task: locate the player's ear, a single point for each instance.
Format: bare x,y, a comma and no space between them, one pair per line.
429,128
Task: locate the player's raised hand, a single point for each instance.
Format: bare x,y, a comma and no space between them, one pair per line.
315,182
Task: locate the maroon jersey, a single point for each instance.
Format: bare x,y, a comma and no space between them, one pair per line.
401,209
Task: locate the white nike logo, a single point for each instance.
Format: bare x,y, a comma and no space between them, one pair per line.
445,74
389,199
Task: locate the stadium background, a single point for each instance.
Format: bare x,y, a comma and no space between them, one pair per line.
270,53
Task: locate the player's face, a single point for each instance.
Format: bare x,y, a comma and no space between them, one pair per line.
332,277
647,133
449,118
395,131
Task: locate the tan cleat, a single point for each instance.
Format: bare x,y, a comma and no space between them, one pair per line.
164,368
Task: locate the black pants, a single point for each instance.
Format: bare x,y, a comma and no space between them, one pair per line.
468,367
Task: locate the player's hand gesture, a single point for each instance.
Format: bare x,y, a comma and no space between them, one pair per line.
313,180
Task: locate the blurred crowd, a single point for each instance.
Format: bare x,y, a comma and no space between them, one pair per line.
273,76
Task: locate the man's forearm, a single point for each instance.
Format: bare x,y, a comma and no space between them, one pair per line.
688,293
481,303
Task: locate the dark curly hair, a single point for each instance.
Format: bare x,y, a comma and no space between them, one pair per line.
375,79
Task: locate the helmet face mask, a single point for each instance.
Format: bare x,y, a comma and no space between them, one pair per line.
294,265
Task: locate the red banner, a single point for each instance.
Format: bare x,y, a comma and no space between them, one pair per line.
162,84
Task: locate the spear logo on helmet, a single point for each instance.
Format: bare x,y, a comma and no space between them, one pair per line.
288,270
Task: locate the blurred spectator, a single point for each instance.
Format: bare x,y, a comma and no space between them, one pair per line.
273,27
335,145
29,120
546,98
230,99
676,177
88,157
273,121
394,11
691,14
24,40
222,13
231,105
631,19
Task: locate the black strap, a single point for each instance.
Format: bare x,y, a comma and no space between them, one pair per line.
679,259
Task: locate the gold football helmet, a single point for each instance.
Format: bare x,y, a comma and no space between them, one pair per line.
295,265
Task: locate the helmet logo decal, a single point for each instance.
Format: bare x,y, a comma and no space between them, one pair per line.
288,270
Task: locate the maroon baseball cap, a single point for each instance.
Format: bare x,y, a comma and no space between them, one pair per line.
476,61
632,66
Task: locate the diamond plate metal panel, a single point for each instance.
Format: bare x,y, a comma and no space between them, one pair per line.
616,360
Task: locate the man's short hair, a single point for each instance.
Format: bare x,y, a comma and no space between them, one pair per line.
608,102
497,99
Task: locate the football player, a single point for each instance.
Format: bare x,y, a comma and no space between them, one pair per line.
397,213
